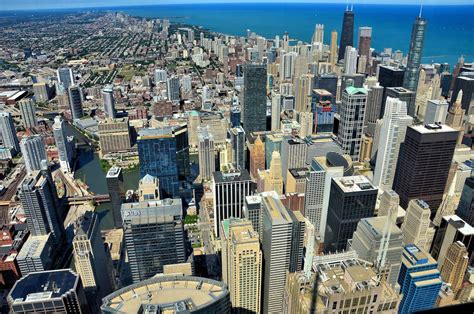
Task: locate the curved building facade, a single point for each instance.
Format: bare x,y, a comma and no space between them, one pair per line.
170,294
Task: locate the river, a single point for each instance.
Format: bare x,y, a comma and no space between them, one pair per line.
89,171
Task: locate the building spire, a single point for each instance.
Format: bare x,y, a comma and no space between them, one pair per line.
421,9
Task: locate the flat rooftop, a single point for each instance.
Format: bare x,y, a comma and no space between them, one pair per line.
166,292
358,183
432,128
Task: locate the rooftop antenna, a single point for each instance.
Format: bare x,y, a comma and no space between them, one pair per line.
421,9
347,5
352,5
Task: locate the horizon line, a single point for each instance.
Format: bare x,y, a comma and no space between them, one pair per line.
341,2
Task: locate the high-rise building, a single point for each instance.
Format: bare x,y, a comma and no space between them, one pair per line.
350,61
207,160
303,88
170,294
75,101
455,117
252,210
115,187
287,66
42,92
333,48
419,280
306,124
465,83
293,154
389,76
374,106
53,291
153,236
282,246
465,209
415,52
40,203
318,35
451,229
148,188
114,135
242,264
28,112
423,164
365,41
377,242
230,187
172,88
436,111
254,98
351,199
352,112
237,139
417,228
37,254
392,134
277,100
403,94
92,260
257,157
160,76
274,177
164,154
65,77
109,102
8,132
347,33
454,265
64,144
34,152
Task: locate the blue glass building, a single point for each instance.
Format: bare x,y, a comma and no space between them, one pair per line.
419,280
164,153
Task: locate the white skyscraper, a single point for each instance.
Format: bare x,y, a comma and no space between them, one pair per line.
109,103
350,61
207,163
160,76
8,132
276,110
318,36
33,151
436,111
417,227
65,149
65,77
287,66
392,134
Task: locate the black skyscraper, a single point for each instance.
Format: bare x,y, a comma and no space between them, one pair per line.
424,163
347,33
115,186
255,97
410,80
464,82
390,76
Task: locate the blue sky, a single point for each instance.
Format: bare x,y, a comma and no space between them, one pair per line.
47,4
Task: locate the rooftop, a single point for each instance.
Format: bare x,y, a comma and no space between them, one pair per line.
34,246
161,208
45,285
167,293
352,184
114,172
432,128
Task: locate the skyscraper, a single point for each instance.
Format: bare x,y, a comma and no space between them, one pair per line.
160,76
333,49
392,134
109,102
352,112
419,280
287,66
367,242
423,164
237,139
293,154
465,208
207,161
242,264
415,52
148,188
153,236
255,97
34,152
115,187
164,153
347,33
306,124
454,265
350,61
64,145
403,94
8,132
53,291
28,112
351,199
257,157
274,178
230,187
318,35
92,260
75,101
65,77
365,41
417,228
303,86
280,245
172,88
38,196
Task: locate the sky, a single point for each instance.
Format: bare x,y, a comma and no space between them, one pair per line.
51,4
